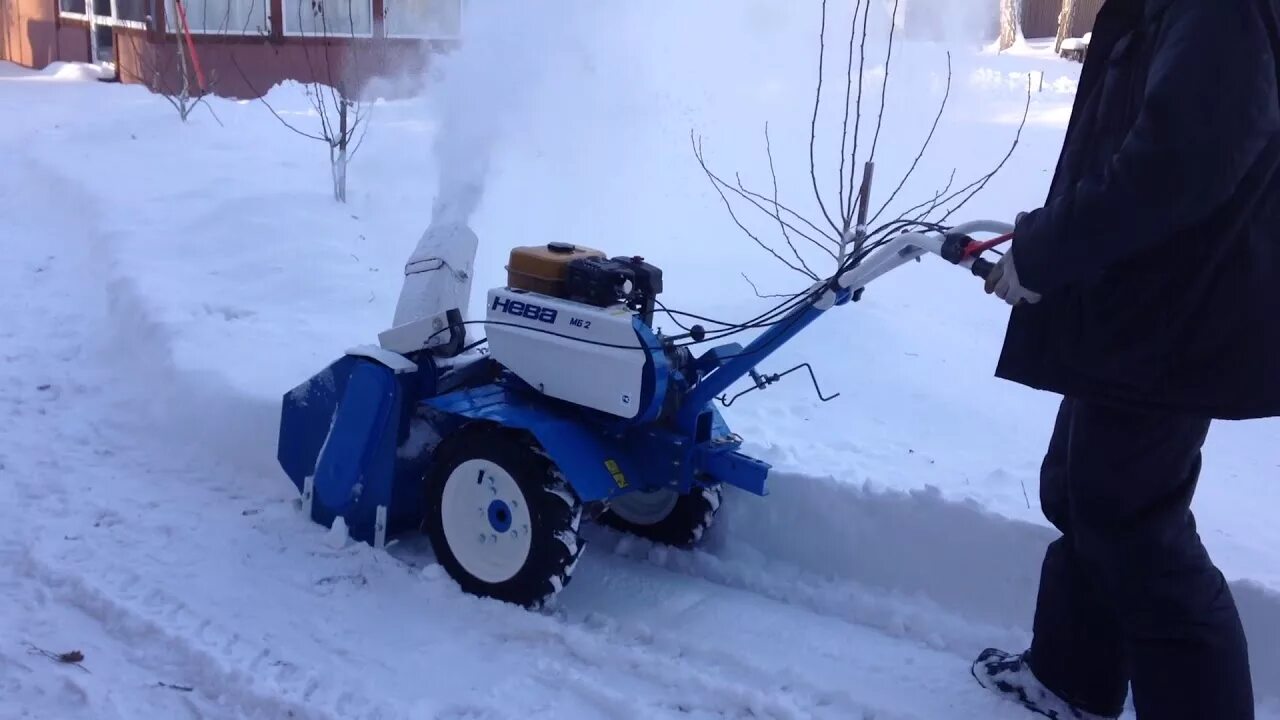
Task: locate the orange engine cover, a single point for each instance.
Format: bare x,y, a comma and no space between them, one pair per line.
544,268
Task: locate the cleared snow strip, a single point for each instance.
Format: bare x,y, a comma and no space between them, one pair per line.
908,617
893,559
917,543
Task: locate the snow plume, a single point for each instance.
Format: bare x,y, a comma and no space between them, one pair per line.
484,88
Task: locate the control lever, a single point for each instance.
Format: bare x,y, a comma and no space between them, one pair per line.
763,381
959,248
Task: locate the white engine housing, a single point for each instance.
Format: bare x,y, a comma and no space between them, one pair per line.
603,378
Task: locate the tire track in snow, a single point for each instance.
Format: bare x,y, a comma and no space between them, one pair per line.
225,668
74,268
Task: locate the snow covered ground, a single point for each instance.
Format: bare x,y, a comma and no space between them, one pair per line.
163,284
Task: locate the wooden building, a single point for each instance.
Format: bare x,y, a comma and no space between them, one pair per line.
241,47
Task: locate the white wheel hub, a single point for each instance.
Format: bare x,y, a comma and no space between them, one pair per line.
486,522
645,508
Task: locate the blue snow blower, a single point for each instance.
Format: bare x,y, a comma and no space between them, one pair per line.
577,406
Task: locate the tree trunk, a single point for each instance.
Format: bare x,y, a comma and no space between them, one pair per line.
1066,21
1010,22
338,152
184,98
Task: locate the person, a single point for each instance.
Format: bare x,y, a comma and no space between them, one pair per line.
1146,293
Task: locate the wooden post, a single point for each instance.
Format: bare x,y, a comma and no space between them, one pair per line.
1066,23
1010,18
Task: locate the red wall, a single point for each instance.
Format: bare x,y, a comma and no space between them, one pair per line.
247,67
73,42
28,32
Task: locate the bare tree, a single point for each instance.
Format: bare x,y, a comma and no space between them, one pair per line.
846,231
1066,21
175,73
337,62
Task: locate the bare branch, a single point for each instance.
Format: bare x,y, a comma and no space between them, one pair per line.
923,148
777,214
756,290
844,127
884,85
204,101
697,151
933,202
761,203
362,119
982,182
263,99
813,126
857,123
819,231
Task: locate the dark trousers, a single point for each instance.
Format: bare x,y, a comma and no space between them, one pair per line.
1128,594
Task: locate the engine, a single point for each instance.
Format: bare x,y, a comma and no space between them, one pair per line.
577,326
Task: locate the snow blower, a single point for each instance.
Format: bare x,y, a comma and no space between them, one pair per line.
578,406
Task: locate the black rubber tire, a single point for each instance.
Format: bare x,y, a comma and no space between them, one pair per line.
554,509
684,527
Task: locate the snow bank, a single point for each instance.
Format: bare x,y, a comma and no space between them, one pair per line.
57,71
73,72
976,564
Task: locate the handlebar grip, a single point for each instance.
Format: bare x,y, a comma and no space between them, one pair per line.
982,268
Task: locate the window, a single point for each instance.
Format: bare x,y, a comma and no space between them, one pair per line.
328,17
217,17
423,18
133,10
108,13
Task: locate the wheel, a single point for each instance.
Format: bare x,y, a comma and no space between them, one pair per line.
665,516
501,518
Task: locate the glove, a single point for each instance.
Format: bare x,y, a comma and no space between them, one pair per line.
1003,281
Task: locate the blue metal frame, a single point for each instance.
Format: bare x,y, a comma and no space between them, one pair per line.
339,430
342,428
657,373
730,368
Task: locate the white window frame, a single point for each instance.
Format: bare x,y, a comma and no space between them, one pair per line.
83,17
462,23
107,20
284,25
176,30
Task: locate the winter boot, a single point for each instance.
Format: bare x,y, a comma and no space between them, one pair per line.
1010,676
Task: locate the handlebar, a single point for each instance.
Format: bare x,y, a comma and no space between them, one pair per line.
995,227
904,248
961,249
982,268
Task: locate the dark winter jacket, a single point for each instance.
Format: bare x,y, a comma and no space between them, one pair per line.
1158,250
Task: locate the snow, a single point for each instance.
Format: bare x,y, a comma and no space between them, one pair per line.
165,284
